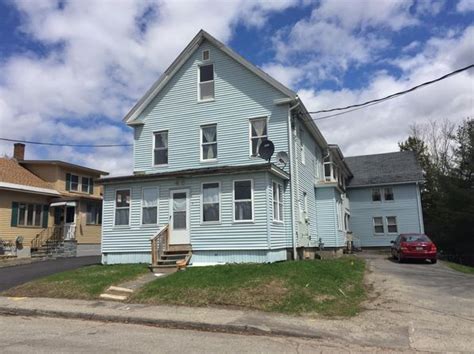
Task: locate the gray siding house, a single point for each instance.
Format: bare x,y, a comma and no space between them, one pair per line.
199,177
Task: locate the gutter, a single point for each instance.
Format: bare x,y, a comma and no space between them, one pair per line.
29,189
292,180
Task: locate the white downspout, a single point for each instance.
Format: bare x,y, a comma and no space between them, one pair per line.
420,209
292,180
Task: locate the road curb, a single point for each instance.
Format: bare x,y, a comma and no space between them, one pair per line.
165,323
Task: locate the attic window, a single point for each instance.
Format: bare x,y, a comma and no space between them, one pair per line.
206,55
206,82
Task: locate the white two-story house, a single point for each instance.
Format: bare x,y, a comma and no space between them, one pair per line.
198,175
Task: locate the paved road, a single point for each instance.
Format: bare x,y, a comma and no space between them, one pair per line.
51,335
16,275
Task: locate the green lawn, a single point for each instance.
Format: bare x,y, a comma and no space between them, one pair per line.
83,283
460,267
331,287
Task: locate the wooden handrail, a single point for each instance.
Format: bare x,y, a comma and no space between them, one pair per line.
159,244
53,233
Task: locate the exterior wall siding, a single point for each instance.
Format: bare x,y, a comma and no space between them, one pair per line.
252,256
10,233
239,96
226,235
363,209
327,216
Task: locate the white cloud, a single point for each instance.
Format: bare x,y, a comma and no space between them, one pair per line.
465,6
379,128
337,36
101,56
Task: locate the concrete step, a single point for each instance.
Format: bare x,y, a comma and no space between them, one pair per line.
119,289
113,297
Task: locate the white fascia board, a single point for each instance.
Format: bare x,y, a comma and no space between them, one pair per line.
30,189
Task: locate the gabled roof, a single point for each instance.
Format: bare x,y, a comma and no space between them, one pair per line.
388,168
15,177
63,164
183,57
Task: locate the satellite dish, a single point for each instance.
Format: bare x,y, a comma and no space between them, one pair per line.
282,157
266,150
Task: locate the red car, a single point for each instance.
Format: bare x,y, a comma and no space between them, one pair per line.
413,246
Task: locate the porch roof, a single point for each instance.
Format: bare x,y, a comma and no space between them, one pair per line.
217,170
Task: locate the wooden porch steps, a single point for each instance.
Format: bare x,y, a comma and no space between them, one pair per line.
168,262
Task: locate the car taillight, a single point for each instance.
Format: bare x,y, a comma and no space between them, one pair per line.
433,248
403,246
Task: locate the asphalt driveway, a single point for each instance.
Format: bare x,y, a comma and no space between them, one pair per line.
428,306
19,274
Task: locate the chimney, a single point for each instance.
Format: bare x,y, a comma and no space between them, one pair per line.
19,151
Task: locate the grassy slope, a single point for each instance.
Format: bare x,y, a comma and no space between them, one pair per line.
83,283
460,267
327,287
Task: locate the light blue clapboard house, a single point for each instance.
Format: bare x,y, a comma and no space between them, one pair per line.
199,188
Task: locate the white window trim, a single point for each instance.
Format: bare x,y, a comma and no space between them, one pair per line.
208,54
279,202
250,134
373,226
372,195
207,62
129,207
201,144
243,200
157,206
396,224
153,151
393,194
26,204
202,204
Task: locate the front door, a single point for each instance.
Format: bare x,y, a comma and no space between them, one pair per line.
70,223
179,217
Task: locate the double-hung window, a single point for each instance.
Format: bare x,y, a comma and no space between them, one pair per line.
150,206
388,193
258,134
378,225
209,142
277,202
160,149
87,185
206,82
122,207
243,200
376,196
210,202
94,213
30,214
392,224
74,183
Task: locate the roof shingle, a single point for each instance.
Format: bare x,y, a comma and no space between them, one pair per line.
393,167
12,172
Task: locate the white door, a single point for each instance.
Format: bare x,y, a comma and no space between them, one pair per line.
70,223
179,217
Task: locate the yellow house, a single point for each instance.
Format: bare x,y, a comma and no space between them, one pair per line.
45,205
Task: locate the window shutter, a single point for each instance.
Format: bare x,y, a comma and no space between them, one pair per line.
91,185
68,181
14,221
45,215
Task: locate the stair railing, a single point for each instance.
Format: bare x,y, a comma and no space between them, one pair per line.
159,244
53,233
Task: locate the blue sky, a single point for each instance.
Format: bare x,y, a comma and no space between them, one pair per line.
70,70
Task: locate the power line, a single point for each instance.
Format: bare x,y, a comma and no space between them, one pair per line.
70,145
380,100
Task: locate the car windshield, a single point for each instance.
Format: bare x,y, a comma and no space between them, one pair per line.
415,238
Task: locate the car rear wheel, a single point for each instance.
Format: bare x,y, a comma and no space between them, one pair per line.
400,259
433,261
